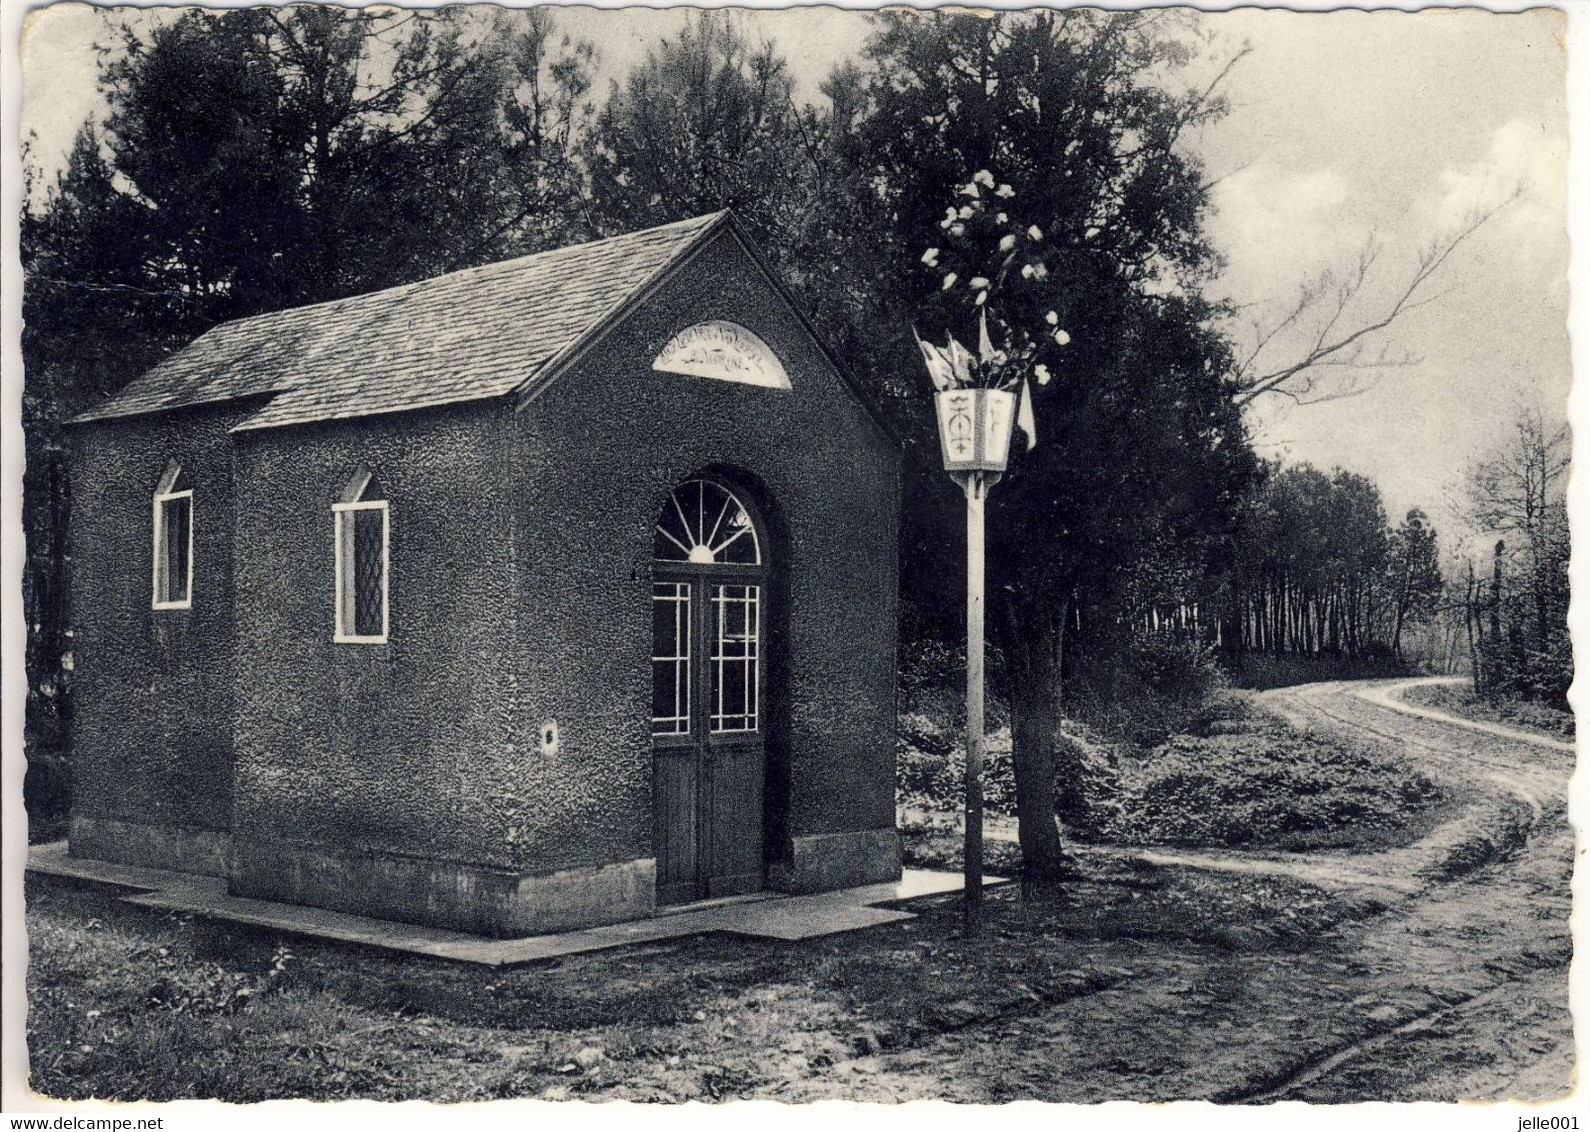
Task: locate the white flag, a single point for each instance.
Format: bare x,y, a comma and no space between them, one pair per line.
1025,420
985,345
938,366
961,360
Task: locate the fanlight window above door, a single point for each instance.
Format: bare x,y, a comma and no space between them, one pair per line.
703,523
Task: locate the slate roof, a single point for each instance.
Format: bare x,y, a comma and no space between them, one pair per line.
469,335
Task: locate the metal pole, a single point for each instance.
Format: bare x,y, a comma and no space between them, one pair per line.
975,496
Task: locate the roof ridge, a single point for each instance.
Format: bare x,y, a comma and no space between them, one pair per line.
550,366
585,245
459,272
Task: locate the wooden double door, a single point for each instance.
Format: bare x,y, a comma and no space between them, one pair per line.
708,689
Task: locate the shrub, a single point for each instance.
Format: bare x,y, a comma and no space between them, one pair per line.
1510,669
1262,670
1266,785
1089,790
930,767
1165,682
1164,754
47,793
1521,713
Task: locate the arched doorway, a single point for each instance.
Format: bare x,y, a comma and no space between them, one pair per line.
709,715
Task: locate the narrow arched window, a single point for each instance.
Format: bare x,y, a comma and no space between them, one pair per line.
362,551
173,540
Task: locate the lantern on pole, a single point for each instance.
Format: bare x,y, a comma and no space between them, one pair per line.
987,414
980,399
975,425
974,430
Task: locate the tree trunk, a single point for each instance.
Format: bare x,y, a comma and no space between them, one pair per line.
1032,650
1496,593
1542,619
1471,619
1035,727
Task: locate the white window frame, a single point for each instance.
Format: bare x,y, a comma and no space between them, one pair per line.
349,616
158,558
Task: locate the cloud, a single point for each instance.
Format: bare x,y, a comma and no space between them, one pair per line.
1277,226
1524,156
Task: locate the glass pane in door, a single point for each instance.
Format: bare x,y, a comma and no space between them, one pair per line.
670,658
736,657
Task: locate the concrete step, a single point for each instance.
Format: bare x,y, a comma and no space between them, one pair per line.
766,916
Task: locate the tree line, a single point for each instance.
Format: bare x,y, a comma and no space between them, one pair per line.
256,159
1320,571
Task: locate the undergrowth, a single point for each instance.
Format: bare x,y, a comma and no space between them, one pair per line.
1248,780
1527,714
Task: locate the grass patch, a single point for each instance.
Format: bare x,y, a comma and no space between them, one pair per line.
1460,700
935,841
1498,834
1247,779
1207,908
1256,782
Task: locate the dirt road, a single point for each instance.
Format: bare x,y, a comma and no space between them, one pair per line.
1452,983
1508,918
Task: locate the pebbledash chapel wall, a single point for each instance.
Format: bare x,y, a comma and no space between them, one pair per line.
152,729
618,436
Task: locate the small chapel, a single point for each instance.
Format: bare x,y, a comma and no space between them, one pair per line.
535,596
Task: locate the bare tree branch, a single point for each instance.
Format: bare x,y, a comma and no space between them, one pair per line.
1339,341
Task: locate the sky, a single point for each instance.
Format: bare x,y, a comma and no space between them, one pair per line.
1346,129
1356,126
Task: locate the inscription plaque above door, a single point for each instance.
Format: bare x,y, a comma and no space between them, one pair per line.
725,351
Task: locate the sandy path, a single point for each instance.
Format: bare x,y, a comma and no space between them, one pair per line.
1458,990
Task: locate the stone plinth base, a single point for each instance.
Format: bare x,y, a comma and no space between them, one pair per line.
179,848
826,861
490,902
